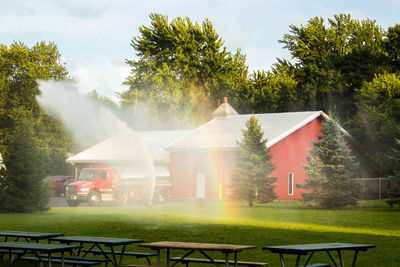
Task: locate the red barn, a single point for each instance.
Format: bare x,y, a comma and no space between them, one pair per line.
201,163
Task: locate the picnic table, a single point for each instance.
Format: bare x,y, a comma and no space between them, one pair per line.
15,248
305,249
200,247
27,236
98,245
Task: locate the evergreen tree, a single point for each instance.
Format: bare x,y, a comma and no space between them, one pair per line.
330,169
250,180
20,178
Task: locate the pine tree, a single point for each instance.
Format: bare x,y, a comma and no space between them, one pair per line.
21,176
250,180
330,169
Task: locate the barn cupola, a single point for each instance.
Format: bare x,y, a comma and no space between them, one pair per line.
224,110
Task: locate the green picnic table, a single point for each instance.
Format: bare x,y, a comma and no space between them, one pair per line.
22,248
98,244
306,249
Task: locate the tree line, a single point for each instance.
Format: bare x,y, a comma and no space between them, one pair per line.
348,67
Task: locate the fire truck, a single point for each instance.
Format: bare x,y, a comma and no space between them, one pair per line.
95,185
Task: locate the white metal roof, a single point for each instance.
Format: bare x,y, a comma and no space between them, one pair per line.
129,146
224,132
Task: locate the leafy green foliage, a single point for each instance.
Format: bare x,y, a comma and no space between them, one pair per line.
20,179
273,92
182,70
103,100
392,46
332,60
375,124
250,179
20,69
329,170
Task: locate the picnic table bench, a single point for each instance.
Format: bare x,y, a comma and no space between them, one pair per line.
68,260
138,255
204,249
231,262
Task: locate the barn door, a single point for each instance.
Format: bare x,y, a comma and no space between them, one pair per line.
201,185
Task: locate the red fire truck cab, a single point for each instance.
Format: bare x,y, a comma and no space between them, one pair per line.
95,185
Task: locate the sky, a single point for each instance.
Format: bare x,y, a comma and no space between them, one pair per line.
94,36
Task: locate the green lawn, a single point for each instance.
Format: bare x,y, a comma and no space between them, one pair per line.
277,223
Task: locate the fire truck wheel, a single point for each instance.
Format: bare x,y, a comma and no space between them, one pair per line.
73,203
94,199
160,196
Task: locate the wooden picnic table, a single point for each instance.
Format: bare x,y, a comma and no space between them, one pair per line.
27,236
23,248
226,249
305,249
100,243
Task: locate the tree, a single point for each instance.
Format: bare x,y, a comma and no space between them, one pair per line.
375,125
273,92
250,179
104,102
20,178
329,170
333,59
20,69
181,71
392,46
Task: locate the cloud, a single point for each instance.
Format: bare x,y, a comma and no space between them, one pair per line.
82,8
104,77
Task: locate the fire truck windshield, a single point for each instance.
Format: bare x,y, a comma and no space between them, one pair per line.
86,175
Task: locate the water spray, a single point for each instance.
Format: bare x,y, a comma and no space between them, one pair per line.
90,123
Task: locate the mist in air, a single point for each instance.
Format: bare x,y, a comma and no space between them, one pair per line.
90,123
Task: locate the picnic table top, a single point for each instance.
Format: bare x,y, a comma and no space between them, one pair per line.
196,246
96,240
30,235
317,247
37,246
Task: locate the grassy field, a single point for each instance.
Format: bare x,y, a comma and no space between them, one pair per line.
277,223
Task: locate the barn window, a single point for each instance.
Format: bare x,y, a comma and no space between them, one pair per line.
290,183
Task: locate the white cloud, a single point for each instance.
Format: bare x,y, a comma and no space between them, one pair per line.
104,77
